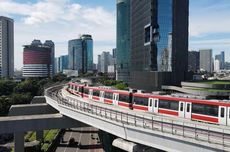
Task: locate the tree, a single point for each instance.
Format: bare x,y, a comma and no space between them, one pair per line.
6,87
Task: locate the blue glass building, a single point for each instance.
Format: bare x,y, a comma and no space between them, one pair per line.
87,45
81,54
61,63
123,40
75,54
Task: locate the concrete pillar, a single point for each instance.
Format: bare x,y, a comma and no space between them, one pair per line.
39,135
19,142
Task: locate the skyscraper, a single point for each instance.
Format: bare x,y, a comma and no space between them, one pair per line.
81,54
61,63
221,58
104,60
75,54
206,60
159,43
87,46
6,47
51,45
193,61
123,40
222,64
37,60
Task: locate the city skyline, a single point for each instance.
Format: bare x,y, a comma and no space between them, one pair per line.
98,18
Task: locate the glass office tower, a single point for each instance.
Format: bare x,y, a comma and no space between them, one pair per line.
75,54
159,43
81,54
87,45
123,40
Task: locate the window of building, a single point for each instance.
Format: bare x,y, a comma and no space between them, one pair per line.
148,34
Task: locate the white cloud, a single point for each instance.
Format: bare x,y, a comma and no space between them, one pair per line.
60,21
209,19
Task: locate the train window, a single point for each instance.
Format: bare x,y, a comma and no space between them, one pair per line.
124,98
140,101
80,89
181,106
108,95
150,102
156,103
96,93
172,105
222,112
205,109
86,91
188,107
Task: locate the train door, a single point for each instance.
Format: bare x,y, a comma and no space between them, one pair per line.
188,110
222,115
102,93
150,105
153,105
115,98
90,94
181,109
228,116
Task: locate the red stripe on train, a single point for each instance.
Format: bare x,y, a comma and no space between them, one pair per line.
95,98
140,107
108,101
123,104
163,111
205,118
85,95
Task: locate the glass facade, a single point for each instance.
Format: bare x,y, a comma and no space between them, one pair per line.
75,54
89,55
81,54
123,40
158,35
159,43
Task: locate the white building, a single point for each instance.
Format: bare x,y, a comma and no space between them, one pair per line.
216,66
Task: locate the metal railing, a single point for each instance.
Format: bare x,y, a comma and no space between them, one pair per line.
155,123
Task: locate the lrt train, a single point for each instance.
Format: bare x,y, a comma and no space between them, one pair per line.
211,111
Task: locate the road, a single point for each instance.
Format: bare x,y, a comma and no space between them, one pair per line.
86,140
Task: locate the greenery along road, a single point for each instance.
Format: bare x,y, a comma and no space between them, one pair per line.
22,92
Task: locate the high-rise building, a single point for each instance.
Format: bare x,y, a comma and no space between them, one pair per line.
221,58
75,54
61,63
216,66
193,61
99,63
123,40
206,60
37,60
6,47
159,43
51,45
222,64
87,46
104,60
81,54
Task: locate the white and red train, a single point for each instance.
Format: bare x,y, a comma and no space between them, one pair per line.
212,111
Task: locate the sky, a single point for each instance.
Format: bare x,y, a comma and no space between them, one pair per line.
63,20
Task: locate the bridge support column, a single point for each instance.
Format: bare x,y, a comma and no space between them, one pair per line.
39,135
19,142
